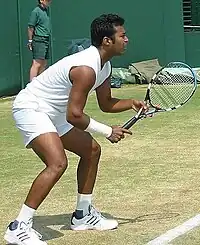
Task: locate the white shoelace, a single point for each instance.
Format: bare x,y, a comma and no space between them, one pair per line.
95,212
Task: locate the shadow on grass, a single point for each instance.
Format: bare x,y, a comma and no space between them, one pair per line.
45,224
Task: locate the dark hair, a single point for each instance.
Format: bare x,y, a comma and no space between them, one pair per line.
39,1
104,26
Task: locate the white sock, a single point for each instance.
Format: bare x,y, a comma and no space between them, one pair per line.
83,202
25,214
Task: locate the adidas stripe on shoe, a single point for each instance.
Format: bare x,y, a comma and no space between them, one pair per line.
93,221
20,233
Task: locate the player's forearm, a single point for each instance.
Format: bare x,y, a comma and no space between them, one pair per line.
78,120
88,124
118,105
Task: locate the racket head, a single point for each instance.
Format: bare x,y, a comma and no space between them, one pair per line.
171,87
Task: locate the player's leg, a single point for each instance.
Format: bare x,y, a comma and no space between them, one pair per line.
83,145
86,216
40,134
50,150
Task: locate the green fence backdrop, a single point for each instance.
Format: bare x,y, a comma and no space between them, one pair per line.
155,30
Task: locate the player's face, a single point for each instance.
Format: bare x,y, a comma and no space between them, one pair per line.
120,41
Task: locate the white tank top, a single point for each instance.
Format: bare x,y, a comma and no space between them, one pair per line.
49,92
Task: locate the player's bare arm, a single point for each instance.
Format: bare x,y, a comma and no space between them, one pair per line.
83,79
109,104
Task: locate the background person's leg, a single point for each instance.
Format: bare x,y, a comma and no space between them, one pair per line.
40,52
43,66
38,66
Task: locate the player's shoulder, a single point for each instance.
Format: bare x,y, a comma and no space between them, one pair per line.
107,67
90,52
87,57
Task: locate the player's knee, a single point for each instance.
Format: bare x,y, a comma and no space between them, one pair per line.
96,150
60,165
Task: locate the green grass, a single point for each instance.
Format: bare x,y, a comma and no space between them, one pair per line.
149,181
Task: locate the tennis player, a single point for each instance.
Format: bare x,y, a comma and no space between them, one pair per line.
49,112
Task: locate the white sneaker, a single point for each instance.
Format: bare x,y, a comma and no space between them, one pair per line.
93,221
22,234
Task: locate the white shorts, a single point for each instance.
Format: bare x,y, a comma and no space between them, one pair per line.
32,121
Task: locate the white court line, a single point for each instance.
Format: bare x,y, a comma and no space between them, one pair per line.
170,235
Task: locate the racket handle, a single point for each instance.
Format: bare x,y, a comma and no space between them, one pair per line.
130,123
133,120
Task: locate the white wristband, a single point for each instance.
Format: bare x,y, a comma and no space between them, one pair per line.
96,127
30,41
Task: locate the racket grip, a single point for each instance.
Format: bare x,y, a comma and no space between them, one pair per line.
130,123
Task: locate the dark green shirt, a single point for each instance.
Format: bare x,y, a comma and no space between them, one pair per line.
40,21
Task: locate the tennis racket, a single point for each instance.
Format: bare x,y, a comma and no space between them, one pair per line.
170,88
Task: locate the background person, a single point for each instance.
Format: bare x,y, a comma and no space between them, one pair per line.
39,30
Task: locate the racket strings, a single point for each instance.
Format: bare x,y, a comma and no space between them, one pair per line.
172,87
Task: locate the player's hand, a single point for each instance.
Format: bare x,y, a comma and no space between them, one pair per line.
118,133
29,45
137,104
